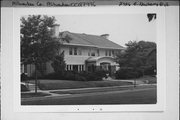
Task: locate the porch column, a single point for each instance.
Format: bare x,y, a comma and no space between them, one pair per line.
70,67
66,67
83,68
78,68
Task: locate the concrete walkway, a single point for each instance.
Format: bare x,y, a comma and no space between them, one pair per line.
84,91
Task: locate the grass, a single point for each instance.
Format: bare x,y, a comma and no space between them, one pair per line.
131,97
30,95
151,79
67,84
145,79
89,91
82,91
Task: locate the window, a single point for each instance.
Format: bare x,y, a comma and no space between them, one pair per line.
93,54
79,52
98,52
109,52
106,53
113,52
75,51
75,67
89,52
70,51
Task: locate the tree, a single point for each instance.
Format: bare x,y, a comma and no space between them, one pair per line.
136,55
37,44
59,64
130,58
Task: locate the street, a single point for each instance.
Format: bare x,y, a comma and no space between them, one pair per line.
139,96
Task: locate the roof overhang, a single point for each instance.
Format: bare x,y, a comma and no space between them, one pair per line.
94,59
94,46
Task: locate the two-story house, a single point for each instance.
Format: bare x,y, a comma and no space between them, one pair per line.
84,52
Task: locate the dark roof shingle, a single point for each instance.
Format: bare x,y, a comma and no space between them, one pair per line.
91,40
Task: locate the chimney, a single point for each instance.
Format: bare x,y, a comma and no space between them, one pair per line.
106,36
55,30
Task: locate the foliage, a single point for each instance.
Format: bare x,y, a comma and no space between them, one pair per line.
128,73
59,64
24,88
77,76
135,59
24,77
94,76
37,44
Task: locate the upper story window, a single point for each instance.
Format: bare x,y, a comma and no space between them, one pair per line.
106,53
113,53
93,54
70,51
109,52
98,52
75,51
79,52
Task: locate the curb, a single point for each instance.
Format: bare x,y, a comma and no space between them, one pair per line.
99,88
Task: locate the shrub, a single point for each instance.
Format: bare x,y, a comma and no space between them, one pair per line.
77,76
59,64
128,74
39,75
24,88
149,71
52,76
94,76
24,77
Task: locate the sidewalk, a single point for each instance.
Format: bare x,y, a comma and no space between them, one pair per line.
70,92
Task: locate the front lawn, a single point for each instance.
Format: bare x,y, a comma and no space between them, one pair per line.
67,84
150,79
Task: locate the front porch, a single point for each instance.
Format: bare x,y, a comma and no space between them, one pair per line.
101,63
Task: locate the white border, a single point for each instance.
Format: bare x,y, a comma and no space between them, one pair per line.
161,59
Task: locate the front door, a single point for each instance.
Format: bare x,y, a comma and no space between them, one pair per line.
75,68
105,66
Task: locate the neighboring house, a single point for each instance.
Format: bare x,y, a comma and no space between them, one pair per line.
83,52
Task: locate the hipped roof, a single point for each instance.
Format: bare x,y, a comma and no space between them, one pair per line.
89,40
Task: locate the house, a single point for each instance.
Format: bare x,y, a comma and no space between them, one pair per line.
83,52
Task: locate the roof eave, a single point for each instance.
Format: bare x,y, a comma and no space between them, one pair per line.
71,44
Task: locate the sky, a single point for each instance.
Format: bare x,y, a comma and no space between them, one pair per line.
121,27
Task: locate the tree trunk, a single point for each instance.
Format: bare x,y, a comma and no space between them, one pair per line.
36,78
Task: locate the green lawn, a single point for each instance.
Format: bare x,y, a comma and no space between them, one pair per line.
67,84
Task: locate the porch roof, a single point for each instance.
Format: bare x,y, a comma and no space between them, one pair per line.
94,59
